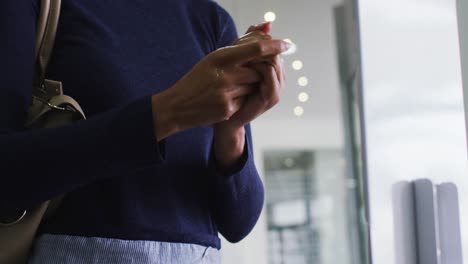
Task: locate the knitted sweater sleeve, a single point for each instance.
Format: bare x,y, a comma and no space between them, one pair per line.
238,198
37,165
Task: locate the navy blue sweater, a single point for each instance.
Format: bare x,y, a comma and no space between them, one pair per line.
112,55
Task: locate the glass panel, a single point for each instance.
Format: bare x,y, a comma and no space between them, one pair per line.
307,207
462,13
414,106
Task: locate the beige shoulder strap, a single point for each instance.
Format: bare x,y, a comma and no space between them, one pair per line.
46,30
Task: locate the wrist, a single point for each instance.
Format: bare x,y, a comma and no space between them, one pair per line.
229,129
164,122
229,144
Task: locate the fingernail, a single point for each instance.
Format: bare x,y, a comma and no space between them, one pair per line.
287,45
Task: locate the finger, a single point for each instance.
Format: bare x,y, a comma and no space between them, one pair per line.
273,61
241,53
262,60
235,106
253,36
270,88
245,75
282,77
239,75
249,34
267,28
243,90
283,69
276,64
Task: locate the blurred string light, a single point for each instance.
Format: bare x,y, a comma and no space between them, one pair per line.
297,65
291,50
270,16
303,81
303,97
298,111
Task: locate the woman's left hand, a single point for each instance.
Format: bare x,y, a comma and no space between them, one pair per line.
229,135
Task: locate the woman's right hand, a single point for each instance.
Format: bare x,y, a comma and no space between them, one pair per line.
213,90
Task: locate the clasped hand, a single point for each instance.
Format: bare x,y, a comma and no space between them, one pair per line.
236,84
227,89
265,93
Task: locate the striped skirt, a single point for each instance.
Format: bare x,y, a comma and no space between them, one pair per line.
60,249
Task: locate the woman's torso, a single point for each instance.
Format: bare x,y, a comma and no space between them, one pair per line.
107,54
